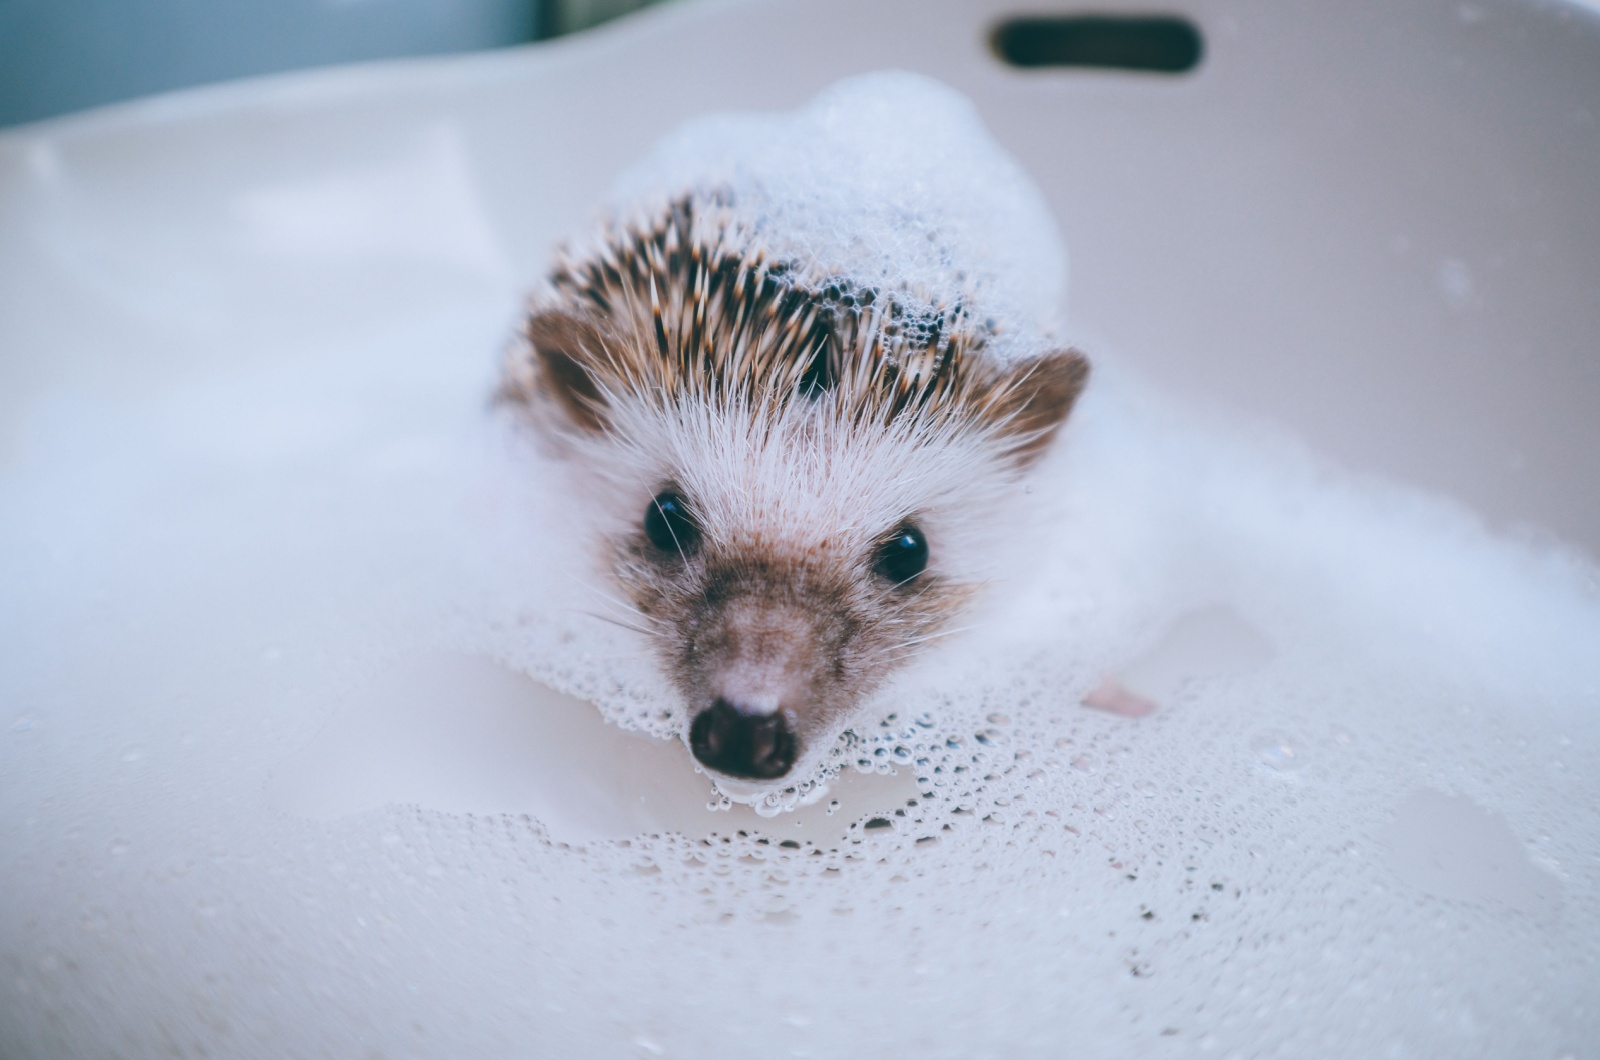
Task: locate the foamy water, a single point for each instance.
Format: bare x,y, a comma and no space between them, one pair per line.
305,753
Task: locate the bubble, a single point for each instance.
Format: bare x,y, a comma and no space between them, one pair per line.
1277,752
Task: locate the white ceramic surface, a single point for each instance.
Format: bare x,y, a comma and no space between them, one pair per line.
1372,224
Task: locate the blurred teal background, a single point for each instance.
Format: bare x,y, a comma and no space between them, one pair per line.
58,56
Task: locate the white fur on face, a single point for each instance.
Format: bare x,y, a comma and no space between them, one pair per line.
780,609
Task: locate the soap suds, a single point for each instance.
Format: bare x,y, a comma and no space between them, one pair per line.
886,180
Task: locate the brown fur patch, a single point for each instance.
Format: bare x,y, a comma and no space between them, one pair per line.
1035,405
562,346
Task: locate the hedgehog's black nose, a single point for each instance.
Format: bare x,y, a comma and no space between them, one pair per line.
753,746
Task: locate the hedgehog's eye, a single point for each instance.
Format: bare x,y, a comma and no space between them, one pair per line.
669,526
901,558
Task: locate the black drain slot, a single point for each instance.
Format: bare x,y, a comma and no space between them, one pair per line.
1163,44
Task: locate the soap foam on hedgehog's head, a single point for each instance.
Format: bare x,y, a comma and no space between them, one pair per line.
887,179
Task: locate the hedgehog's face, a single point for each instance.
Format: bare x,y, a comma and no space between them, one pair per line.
791,525
786,570
772,637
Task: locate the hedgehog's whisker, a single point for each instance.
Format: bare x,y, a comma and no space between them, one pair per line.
937,634
913,647
617,603
630,614
615,622
906,604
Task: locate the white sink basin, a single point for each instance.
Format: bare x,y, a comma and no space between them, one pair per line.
283,765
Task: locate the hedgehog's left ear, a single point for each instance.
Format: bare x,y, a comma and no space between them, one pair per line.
1034,399
563,356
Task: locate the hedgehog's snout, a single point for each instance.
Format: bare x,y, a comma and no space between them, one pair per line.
742,743
754,669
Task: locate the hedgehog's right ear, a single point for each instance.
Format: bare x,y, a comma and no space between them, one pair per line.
565,352
1035,400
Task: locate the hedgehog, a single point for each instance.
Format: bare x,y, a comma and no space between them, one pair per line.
798,465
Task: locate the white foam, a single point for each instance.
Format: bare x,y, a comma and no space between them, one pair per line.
887,179
242,810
